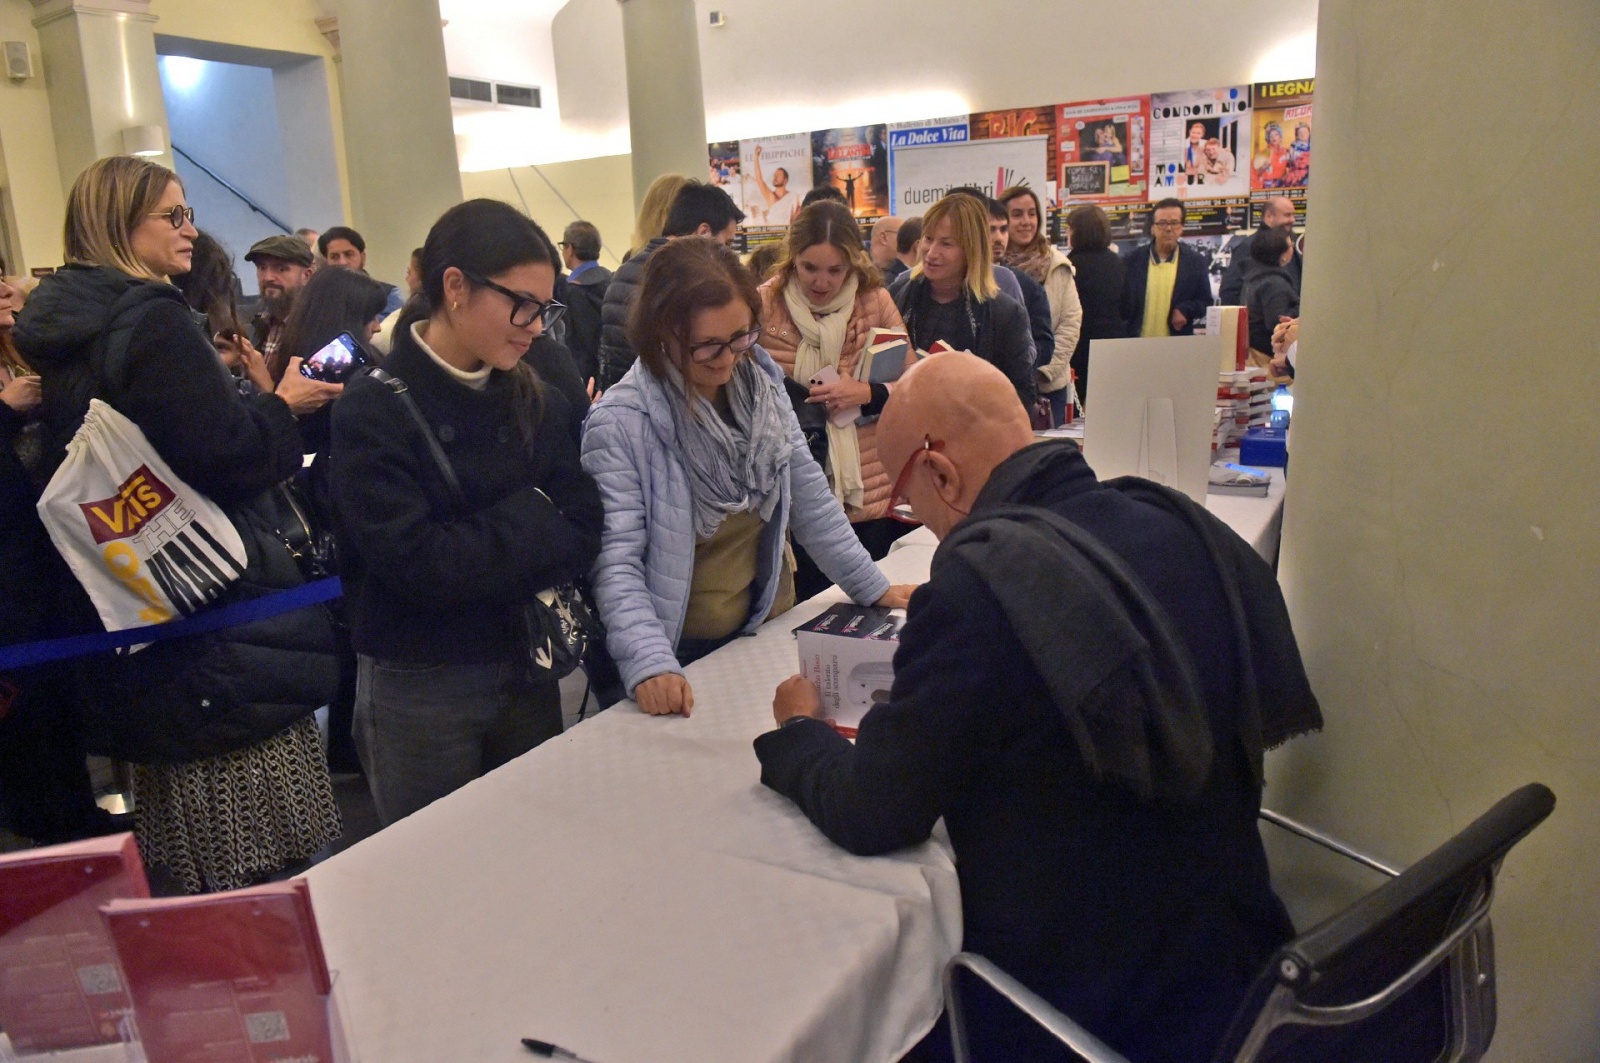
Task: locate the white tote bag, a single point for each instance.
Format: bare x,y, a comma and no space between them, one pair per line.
146,546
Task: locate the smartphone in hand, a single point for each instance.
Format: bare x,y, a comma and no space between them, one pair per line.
334,363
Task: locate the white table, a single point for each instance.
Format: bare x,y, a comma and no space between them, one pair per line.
1259,521
630,891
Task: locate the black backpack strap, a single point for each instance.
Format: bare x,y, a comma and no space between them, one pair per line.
435,451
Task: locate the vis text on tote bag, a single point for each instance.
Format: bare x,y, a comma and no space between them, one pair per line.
146,546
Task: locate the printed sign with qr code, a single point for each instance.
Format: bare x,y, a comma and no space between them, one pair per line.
99,978
266,1026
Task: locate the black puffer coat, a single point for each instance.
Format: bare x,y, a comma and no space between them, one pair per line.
97,332
616,353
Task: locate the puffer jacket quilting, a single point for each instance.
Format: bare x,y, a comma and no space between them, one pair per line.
642,576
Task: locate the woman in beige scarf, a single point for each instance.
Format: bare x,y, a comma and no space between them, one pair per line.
819,310
1031,252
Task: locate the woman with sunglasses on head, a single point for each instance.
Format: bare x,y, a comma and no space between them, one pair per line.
437,577
704,471
228,776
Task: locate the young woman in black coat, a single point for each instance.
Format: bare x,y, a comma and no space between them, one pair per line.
1100,280
435,586
952,295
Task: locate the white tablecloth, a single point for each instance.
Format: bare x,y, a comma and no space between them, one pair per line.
1259,521
630,891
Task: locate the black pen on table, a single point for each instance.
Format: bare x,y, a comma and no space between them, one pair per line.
550,1051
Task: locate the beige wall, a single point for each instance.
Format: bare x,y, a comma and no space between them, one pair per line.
277,25
600,190
34,201
32,178
1441,550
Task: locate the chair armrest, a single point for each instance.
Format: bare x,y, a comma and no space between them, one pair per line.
1035,1007
1327,841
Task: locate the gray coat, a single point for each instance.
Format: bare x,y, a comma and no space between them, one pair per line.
642,576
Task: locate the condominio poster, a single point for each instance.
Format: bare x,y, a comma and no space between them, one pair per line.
1103,150
1280,151
855,160
775,175
1199,143
1022,122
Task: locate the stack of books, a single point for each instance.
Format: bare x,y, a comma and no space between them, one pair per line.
1244,401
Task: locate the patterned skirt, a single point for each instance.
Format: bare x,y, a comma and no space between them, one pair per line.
233,820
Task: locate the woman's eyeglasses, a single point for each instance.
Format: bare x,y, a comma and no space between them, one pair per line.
711,350
177,215
524,309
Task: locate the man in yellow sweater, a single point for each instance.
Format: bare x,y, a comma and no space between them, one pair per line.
1167,289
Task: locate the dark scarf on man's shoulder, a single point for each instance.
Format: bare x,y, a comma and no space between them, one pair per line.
1128,689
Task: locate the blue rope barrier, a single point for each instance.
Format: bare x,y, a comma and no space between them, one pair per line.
27,654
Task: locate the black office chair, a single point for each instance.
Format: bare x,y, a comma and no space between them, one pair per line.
1404,974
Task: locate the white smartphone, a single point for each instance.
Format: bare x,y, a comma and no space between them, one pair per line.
829,374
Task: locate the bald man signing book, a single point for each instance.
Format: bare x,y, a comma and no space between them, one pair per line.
1084,689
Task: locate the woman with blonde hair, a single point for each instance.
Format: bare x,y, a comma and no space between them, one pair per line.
229,780
1030,251
653,210
819,310
952,295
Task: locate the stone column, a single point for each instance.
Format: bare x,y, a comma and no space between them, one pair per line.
99,59
1440,545
400,145
666,103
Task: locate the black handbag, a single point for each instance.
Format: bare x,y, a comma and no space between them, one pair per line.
813,418
559,622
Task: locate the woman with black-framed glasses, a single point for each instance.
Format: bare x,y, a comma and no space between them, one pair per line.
436,579
704,471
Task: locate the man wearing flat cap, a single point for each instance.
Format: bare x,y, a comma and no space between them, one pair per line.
283,265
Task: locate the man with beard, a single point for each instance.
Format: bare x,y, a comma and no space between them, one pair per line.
283,265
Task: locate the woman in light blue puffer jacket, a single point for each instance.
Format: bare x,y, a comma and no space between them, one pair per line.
703,470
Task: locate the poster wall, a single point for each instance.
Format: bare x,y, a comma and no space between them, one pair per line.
1197,139
1023,122
726,169
775,176
1280,150
927,133
1224,151
924,174
855,160
1103,151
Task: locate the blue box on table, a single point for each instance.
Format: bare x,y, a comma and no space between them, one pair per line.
1265,446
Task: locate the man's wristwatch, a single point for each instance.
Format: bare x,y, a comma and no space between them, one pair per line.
795,719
